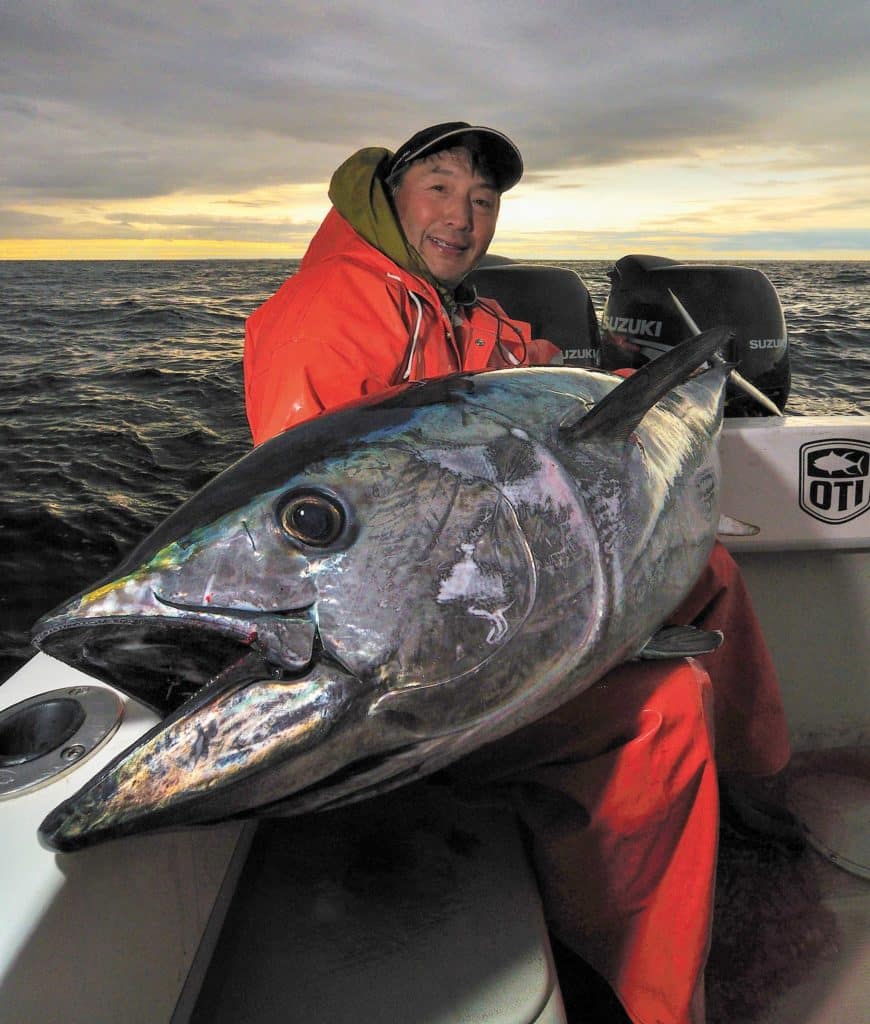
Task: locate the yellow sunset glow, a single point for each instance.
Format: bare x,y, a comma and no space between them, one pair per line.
688,208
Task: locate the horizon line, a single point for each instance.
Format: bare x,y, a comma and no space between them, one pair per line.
718,258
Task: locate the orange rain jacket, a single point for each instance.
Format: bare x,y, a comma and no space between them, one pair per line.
351,322
618,787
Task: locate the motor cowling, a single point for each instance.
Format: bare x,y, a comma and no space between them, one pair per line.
641,321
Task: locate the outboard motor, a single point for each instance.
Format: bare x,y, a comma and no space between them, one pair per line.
554,302
641,321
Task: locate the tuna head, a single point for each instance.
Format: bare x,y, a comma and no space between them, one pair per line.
328,613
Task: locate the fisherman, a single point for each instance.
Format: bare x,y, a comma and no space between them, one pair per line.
618,787
379,298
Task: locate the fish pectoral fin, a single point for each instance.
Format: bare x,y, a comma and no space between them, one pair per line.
681,642
730,527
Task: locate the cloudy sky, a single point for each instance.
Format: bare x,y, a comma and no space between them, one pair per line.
211,128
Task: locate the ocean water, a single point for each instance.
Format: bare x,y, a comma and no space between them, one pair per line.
121,394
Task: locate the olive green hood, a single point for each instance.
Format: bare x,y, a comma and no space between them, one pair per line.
359,192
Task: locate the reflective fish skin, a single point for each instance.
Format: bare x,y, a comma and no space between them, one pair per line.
376,592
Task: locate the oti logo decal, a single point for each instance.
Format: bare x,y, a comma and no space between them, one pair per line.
835,479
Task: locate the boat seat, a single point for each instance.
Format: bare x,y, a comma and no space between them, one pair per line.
409,907
553,300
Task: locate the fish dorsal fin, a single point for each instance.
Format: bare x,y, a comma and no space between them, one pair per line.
620,411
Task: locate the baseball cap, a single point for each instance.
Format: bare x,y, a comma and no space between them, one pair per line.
501,155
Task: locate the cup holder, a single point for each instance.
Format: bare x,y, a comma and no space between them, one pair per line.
32,732
48,735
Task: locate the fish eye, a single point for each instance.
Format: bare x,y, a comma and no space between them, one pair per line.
312,518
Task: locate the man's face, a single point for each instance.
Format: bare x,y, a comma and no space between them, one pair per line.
448,213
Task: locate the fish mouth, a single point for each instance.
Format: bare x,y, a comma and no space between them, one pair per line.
241,734
219,755
163,659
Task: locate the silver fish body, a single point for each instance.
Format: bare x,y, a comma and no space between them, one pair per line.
372,594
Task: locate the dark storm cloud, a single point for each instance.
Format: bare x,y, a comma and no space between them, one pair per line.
112,100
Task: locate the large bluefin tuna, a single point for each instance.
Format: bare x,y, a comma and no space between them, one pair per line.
374,593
